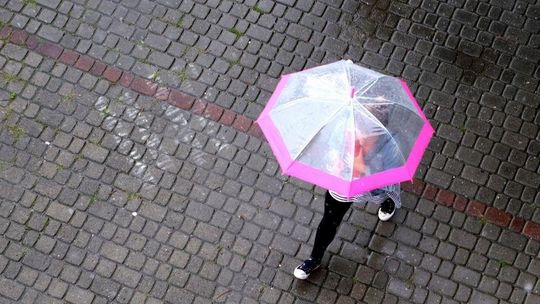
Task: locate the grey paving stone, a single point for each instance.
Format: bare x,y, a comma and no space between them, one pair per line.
531,298
114,252
513,240
478,297
50,33
105,287
400,288
126,276
534,267
60,212
176,294
466,276
95,152
14,52
501,253
11,289
443,286
78,295
463,239
127,183
48,188
438,178
152,211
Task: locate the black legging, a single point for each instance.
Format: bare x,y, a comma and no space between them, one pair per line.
333,215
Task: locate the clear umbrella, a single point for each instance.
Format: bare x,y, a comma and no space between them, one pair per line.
345,127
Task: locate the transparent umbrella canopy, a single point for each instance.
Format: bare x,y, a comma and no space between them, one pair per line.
345,128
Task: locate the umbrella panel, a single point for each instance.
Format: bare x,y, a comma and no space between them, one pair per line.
315,84
329,150
403,125
386,90
298,122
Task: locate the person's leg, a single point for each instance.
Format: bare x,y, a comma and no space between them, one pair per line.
334,211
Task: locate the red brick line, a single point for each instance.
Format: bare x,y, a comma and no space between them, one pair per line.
127,79
244,124
474,208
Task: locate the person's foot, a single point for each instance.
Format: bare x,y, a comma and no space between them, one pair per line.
303,270
387,210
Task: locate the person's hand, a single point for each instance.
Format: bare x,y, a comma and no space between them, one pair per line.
359,165
361,148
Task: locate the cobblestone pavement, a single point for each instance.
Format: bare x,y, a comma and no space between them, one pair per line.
111,194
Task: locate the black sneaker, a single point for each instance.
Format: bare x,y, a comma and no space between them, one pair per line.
305,269
387,210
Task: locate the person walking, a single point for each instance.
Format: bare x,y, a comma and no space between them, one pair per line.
314,121
370,152
335,207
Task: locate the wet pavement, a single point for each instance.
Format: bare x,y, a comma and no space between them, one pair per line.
131,170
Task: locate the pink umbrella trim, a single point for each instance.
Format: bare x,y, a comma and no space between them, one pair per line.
342,186
418,149
414,102
278,147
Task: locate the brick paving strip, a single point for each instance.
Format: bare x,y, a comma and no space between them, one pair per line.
244,124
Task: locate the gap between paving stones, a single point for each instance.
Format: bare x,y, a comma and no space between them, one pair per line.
244,124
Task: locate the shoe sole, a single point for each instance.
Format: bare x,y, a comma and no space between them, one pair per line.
303,276
300,276
384,217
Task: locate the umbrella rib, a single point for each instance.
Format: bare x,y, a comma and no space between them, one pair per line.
296,101
388,103
367,86
353,146
318,131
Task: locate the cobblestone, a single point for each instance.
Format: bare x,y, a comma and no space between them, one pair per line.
78,295
474,83
10,289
